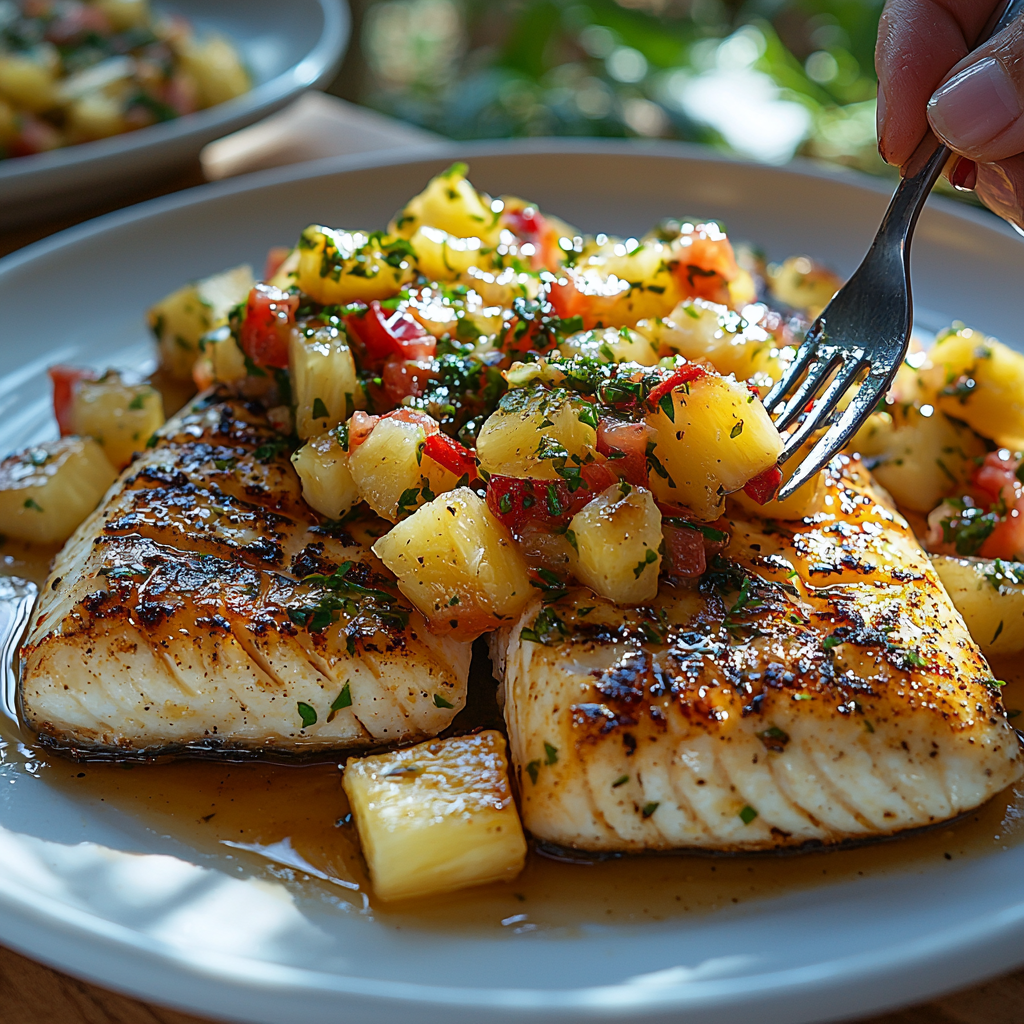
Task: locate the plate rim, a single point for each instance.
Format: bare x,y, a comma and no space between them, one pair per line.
308,72
964,952
423,152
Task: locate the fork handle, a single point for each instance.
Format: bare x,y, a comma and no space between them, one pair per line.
925,166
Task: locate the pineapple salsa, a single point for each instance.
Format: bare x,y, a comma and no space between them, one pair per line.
508,407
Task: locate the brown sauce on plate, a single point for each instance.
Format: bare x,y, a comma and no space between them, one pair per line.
290,823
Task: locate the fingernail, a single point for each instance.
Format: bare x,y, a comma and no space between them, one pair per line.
880,120
975,106
964,175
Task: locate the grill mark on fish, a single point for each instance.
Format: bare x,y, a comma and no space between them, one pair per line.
173,631
763,706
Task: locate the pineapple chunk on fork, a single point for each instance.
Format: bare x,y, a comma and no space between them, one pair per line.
437,817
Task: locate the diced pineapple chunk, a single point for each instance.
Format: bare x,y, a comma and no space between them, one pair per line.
874,436
215,66
327,483
46,491
287,274
436,817
612,345
391,473
926,457
717,438
120,417
451,204
990,597
325,388
803,284
703,331
444,257
617,537
534,432
181,319
94,116
458,565
124,14
221,360
336,267
981,381
27,82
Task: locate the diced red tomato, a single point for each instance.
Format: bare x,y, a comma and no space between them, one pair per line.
516,501
685,556
276,255
1007,539
269,318
361,424
182,94
79,21
996,477
532,328
382,333
454,457
36,136
706,264
765,485
596,476
679,377
995,482
530,225
64,380
568,301
402,378
625,446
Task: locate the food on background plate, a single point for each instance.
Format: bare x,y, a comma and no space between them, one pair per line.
75,71
482,422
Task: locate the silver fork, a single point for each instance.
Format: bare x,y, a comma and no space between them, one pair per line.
864,330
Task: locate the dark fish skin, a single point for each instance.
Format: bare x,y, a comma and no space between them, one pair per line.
181,617
816,686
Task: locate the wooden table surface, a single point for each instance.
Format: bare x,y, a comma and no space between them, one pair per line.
33,994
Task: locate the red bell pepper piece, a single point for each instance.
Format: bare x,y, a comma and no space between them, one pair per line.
625,446
454,457
684,375
765,485
390,332
64,380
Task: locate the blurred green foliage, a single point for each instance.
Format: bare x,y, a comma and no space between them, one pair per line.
765,78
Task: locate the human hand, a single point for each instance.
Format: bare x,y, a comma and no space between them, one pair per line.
928,77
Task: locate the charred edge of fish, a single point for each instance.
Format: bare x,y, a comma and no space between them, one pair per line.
574,855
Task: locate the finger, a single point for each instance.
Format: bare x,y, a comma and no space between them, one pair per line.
918,42
979,109
1000,186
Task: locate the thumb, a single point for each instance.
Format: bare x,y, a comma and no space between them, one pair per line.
978,111
1000,186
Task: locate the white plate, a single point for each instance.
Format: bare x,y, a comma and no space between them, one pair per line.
289,48
99,892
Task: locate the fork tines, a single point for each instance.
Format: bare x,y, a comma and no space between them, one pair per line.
828,371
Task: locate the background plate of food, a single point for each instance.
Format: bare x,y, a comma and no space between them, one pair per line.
803,668
98,96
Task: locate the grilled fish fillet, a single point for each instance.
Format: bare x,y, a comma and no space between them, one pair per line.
202,607
817,685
